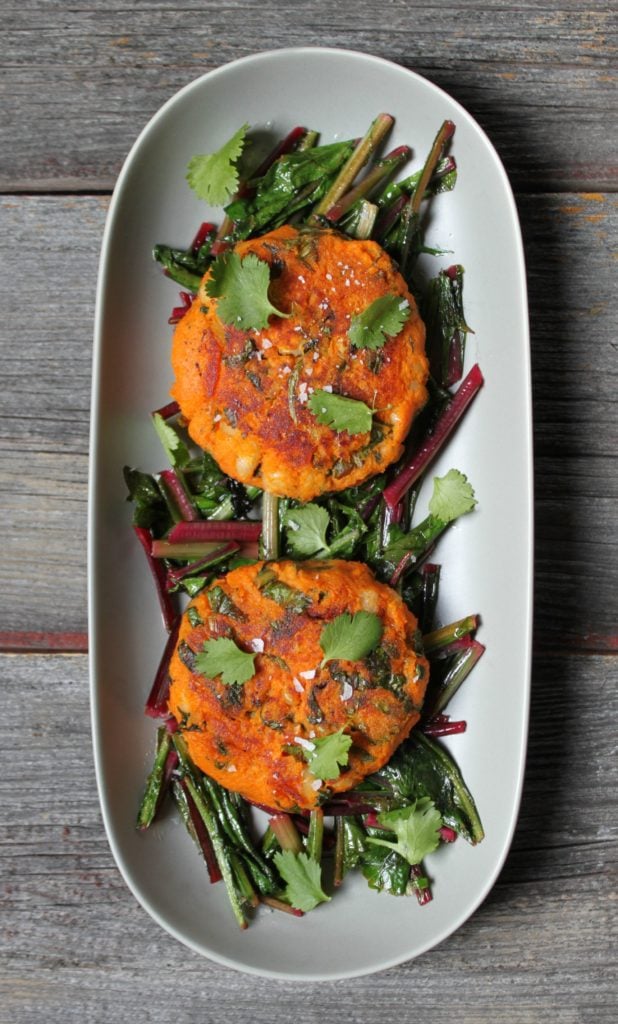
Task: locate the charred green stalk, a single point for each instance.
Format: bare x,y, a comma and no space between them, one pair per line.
377,131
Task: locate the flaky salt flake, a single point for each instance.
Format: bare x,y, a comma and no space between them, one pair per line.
307,674
305,744
347,691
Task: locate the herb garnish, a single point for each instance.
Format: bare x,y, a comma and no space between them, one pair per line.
222,657
303,878
350,637
214,176
417,828
241,287
382,319
341,413
327,754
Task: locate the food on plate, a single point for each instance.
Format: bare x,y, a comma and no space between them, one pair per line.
257,717
258,399
298,677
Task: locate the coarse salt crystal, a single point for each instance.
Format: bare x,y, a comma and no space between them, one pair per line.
305,744
266,343
347,691
316,784
231,767
257,645
328,387
216,418
309,674
287,369
298,686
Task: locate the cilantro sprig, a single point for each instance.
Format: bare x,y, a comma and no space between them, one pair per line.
340,412
328,754
417,828
350,637
383,318
173,445
453,496
214,176
222,657
306,530
303,878
241,288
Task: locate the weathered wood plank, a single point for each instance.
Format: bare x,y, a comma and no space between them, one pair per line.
74,944
45,413
540,78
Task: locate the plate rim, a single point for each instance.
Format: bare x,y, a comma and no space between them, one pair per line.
94,446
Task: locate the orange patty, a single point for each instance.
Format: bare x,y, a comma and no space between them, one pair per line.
247,736
245,393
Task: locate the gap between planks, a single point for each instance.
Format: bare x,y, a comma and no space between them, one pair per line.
13,642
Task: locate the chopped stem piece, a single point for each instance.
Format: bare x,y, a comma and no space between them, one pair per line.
315,838
463,663
158,574
271,534
196,828
286,832
434,441
207,530
182,552
276,904
446,634
164,763
176,485
377,130
156,704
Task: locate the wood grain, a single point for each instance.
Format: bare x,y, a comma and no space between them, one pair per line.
78,83
74,944
540,78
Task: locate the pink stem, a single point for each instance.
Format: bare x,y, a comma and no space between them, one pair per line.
441,725
159,575
167,411
174,576
156,704
205,229
178,312
184,504
432,444
209,530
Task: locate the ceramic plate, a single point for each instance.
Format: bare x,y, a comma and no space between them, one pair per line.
486,558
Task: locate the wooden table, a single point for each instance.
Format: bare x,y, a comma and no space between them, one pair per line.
79,82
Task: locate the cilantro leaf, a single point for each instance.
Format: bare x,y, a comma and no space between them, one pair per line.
213,176
417,828
452,496
328,753
222,657
175,448
341,413
303,877
306,530
350,637
382,319
241,287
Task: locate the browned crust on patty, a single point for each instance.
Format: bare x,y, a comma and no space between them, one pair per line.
246,736
245,394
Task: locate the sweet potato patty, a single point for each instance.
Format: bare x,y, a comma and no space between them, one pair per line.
254,737
245,393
